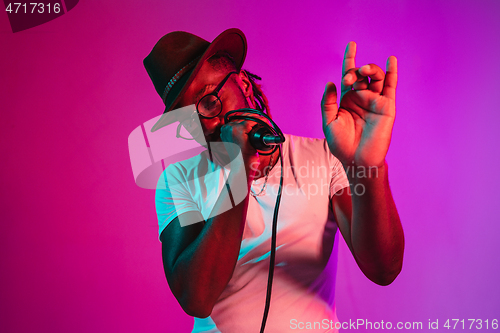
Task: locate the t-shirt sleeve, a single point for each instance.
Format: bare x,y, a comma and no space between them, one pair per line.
172,196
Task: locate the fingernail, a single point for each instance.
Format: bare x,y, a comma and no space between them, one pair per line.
348,77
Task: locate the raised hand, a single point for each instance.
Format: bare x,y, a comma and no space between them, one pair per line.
359,131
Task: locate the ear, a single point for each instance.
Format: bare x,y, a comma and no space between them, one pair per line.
247,85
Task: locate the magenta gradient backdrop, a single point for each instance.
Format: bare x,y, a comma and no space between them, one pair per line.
78,240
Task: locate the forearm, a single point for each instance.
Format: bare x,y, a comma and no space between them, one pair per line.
204,268
376,232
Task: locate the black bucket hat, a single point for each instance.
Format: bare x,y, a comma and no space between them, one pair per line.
178,56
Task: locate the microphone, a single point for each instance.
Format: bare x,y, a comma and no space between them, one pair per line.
261,138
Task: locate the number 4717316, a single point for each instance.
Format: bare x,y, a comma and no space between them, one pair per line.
33,7
452,323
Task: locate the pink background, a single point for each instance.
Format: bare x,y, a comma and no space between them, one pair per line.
78,240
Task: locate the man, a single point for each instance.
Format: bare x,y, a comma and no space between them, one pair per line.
216,259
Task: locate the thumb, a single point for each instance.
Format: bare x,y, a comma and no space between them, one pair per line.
329,106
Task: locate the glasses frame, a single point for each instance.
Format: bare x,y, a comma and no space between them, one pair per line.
179,127
214,93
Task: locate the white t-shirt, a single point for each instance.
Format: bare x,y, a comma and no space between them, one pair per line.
303,294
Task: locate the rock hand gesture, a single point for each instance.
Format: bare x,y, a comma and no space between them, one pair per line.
359,131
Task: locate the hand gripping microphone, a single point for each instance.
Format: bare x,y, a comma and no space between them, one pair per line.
264,137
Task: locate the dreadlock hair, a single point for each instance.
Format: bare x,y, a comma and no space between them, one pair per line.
222,61
261,102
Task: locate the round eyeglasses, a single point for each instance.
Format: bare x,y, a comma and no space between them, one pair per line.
209,106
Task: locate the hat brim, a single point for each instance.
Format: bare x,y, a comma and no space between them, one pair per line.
232,41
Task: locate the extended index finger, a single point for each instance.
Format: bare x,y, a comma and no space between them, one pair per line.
349,57
347,64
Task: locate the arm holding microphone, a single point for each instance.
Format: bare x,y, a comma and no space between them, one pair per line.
199,258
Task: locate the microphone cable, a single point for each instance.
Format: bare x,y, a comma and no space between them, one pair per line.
275,130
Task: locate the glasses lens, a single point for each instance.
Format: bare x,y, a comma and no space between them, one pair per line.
209,106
